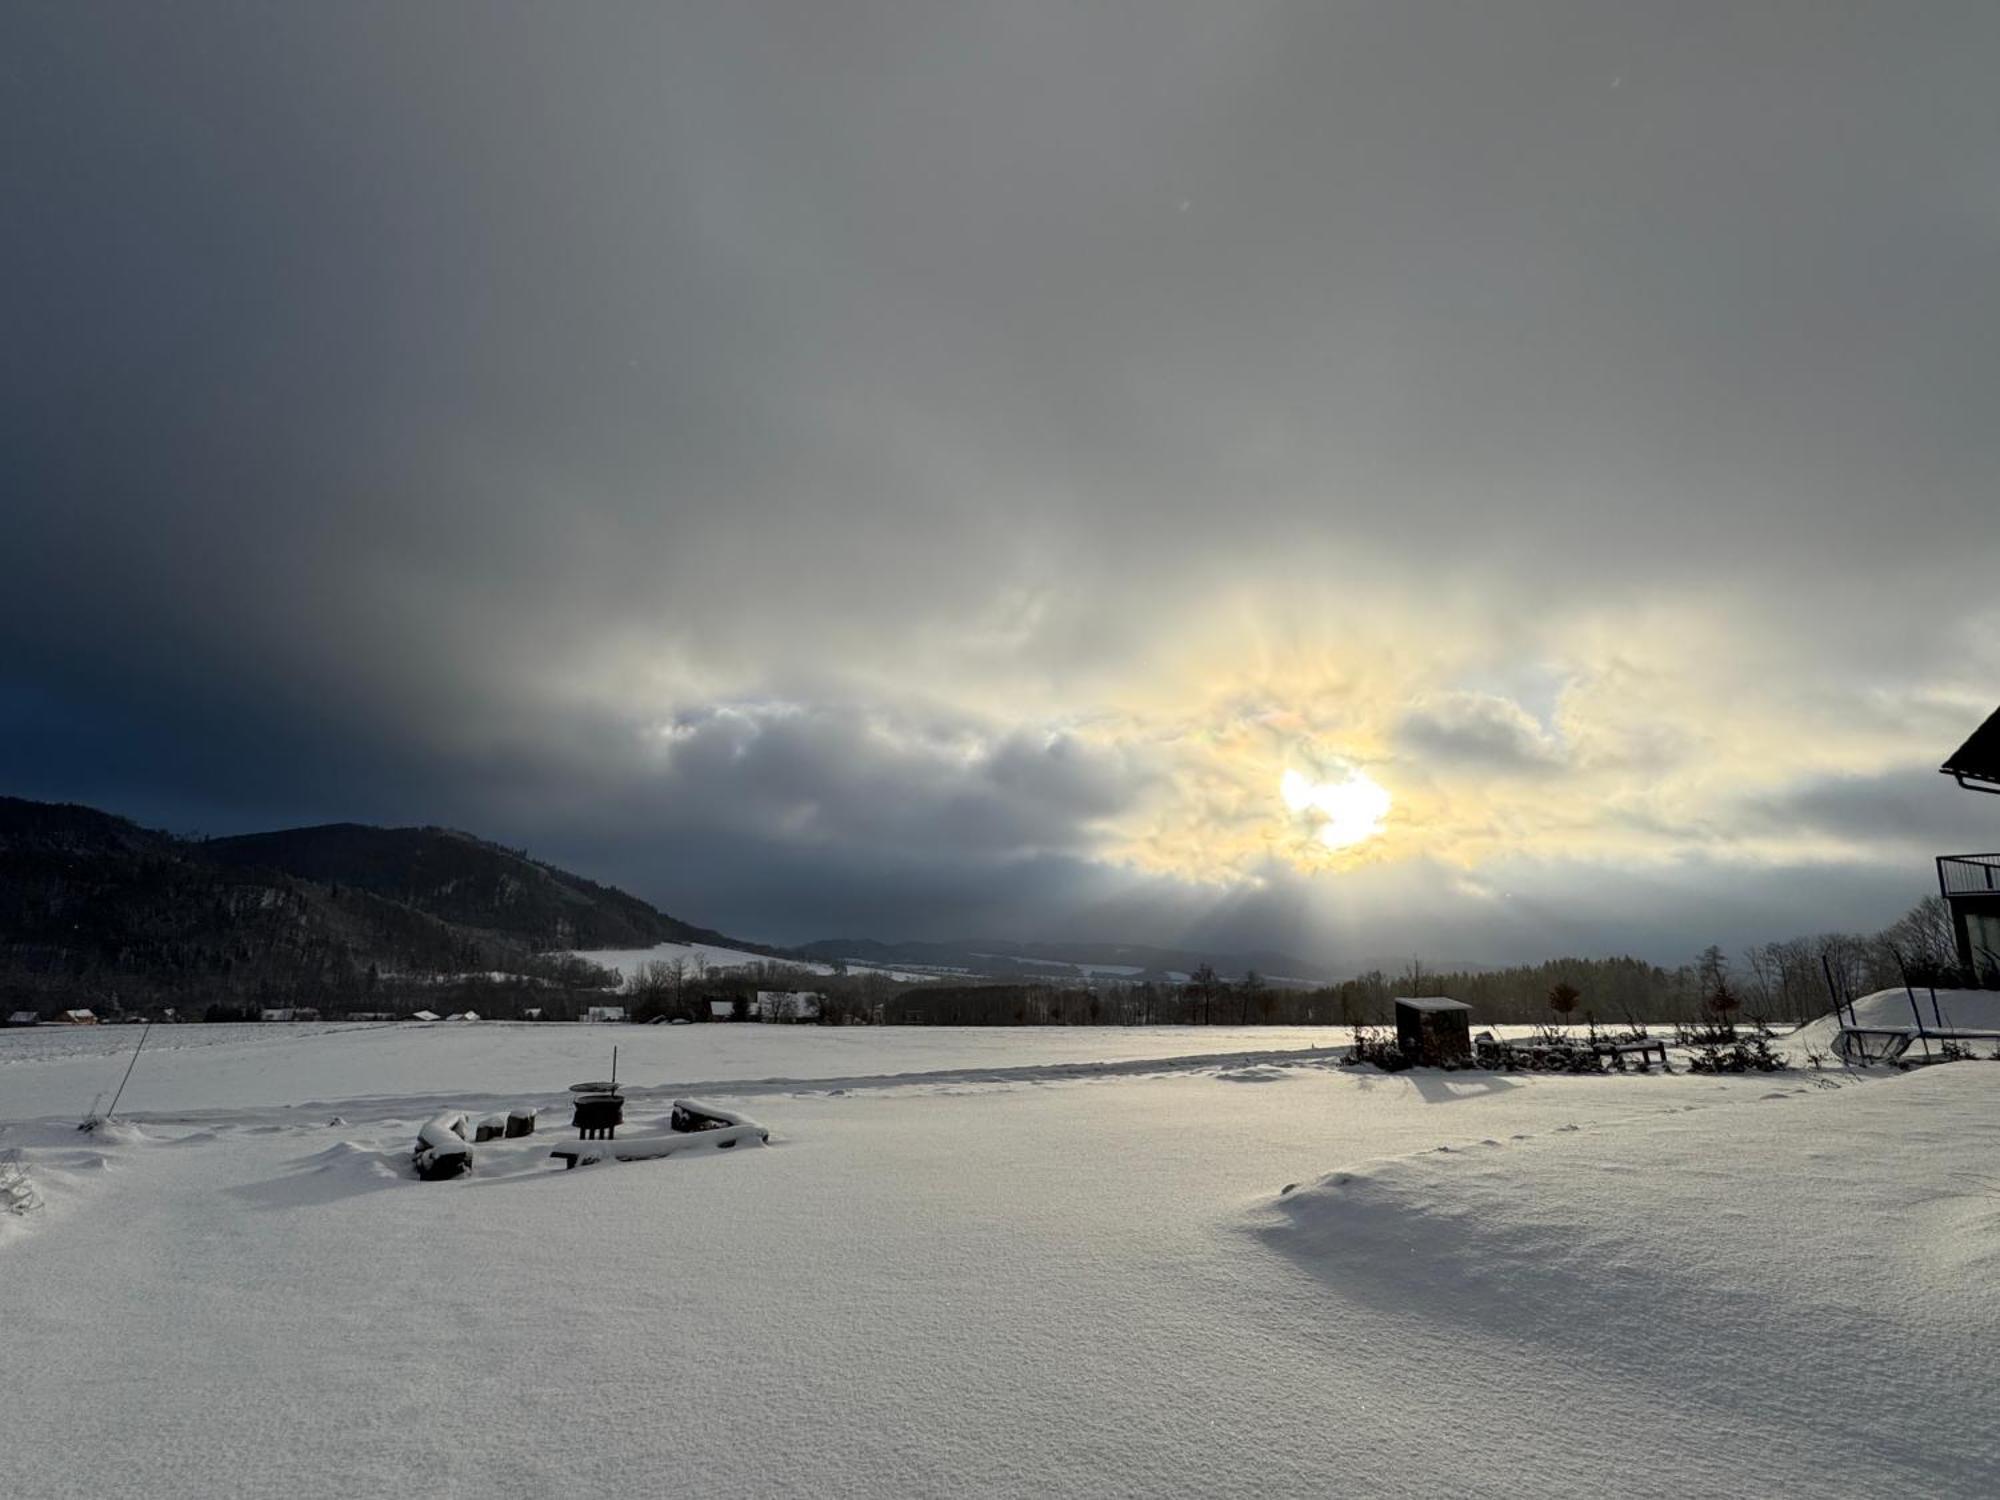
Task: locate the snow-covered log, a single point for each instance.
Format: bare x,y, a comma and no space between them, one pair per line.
442,1150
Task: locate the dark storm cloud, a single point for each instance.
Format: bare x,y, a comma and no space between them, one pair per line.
405,411
1912,809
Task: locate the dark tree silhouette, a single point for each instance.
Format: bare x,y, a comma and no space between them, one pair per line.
1563,998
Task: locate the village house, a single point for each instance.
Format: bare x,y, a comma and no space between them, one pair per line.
787,1005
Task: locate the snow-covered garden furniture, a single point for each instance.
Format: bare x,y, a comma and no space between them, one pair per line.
691,1127
600,1110
1646,1050
442,1150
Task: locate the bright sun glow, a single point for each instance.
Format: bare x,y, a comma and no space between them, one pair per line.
1349,810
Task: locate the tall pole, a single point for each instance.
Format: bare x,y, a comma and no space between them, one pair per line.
1915,1010
128,1071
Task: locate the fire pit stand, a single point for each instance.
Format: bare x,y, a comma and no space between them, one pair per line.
600,1110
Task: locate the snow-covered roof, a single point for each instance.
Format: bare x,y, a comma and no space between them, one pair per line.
1431,1002
425,1015
24,1018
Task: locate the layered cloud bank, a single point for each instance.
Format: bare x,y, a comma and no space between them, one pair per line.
935,474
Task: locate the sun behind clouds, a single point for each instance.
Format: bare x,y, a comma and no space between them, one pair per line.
1348,811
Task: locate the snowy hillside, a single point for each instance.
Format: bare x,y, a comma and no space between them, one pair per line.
711,957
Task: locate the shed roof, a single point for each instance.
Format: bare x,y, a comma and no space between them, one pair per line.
1431,1002
1978,759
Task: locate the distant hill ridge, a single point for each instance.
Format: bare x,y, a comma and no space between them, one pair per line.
93,906
464,880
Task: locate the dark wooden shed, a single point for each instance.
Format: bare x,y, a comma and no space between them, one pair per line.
1431,1030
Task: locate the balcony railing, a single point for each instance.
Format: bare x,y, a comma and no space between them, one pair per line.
1968,874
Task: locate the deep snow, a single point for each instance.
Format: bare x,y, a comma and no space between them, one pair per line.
1936,1011
1031,1277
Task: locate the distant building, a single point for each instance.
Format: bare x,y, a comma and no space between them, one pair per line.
787,1005
605,1013
277,1015
1970,883
532,1013
76,1018
25,1018
722,1010
426,1015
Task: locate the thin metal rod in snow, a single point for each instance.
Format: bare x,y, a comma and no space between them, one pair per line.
1915,1009
1944,1023
1833,992
614,1067
128,1070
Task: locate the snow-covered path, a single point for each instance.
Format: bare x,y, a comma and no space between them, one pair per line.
1038,1285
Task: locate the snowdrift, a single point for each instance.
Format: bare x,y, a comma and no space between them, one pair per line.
1889,1010
1762,1263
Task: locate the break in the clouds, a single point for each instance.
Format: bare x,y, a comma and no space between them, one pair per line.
927,470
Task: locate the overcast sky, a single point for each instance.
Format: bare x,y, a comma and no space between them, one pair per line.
929,470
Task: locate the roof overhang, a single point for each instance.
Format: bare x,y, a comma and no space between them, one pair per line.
1975,765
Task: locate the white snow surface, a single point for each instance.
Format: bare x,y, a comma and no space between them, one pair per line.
198,1069
1029,1274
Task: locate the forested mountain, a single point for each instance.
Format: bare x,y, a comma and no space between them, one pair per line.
463,880
95,910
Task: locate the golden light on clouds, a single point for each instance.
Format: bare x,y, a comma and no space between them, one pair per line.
1391,737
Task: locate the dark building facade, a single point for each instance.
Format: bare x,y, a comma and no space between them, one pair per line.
1970,883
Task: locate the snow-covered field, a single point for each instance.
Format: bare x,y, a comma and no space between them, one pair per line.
992,1263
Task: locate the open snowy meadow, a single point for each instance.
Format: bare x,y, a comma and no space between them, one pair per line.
1020,1263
